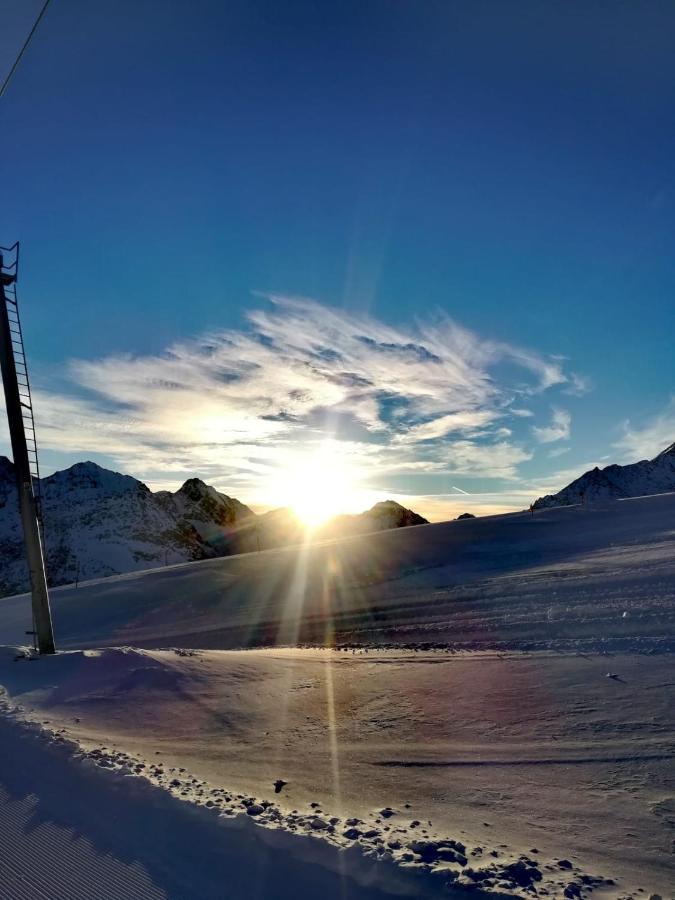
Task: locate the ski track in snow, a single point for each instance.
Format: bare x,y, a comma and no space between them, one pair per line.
36,857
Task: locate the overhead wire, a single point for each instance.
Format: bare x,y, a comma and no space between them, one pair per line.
24,48
2,91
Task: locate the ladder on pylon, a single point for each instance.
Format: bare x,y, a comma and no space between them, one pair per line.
21,422
10,272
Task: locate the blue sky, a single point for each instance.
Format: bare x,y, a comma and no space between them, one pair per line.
485,192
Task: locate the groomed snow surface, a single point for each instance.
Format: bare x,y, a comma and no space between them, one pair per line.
493,716
71,827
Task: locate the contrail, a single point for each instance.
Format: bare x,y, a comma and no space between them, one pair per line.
459,490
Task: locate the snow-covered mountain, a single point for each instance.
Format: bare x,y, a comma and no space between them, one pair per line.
384,515
201,507
99,523
650,476
281,527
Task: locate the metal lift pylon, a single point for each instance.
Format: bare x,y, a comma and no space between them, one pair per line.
19,405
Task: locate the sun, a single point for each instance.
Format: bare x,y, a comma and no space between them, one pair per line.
321,484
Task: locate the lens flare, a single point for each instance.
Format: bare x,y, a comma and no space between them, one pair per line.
322,484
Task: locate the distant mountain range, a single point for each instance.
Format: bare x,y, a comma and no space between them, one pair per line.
650,476
100,523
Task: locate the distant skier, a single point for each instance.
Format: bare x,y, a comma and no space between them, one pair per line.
532,509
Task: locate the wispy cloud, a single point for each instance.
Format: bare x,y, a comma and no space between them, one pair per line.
577,385
644,441
236,405
558,451
454,422
500,459
557,430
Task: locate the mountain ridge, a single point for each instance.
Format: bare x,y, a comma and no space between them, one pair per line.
99,522
617,482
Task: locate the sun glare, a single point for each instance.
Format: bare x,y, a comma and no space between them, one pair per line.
321,485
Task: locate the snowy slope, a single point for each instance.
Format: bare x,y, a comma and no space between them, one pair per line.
640,479
83,828
500,772
554,763
571,574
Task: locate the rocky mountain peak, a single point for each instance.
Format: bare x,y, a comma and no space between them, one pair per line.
201,503
615,482
89,476
195,489
391,514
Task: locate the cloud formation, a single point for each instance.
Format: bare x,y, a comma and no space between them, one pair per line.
235,405
558,430
646,440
